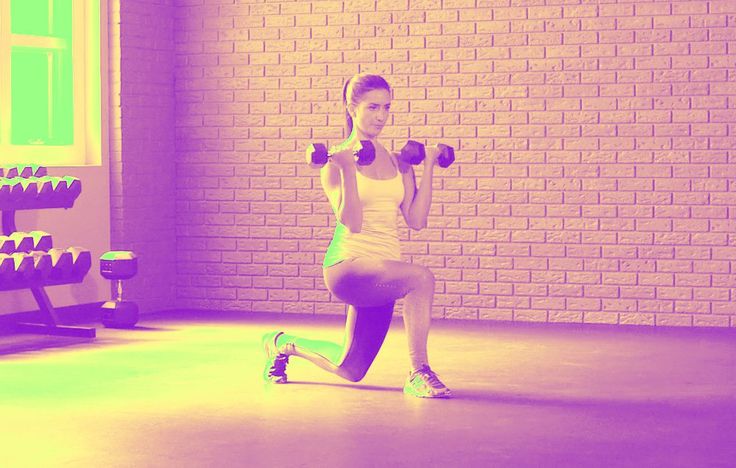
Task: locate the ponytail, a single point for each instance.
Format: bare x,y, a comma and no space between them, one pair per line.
348,117
355,88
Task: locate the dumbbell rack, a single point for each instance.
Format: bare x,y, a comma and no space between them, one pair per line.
36,285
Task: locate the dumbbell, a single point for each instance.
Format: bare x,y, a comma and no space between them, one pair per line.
17,188
65,189
16,242
57,188
25,170
21,241
47,185
317,154
7,267
118,266
81,260
62,263
414,153
73,262
15,266
7,245
42,263
12,190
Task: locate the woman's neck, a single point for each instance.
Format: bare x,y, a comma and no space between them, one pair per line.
358,135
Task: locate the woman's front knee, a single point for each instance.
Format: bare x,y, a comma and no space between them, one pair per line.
425,278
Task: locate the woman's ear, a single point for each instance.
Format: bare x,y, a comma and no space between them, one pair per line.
351,110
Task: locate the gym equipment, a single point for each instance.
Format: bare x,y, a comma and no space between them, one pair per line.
34,240
7,266
42,263
46,186
28,259
23,265
21,188
28,170
317,154
7,245
81,260
61,263
37,190
414,153
118,266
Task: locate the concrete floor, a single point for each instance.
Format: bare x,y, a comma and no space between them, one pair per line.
186,392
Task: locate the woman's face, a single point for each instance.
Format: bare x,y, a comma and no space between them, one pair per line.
371,113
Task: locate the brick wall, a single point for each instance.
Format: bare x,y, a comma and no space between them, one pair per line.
596,172
142,170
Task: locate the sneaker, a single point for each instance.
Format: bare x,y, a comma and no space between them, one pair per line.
424,383
275,368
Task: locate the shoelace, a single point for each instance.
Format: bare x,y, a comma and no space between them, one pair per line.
279,365
430,377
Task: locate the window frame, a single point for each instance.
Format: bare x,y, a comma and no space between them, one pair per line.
88,33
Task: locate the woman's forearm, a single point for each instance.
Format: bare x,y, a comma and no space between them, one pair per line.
419,211
350,211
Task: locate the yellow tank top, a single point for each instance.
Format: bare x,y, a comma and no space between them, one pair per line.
379,236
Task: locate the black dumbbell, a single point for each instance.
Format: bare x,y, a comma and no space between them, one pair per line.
81,260
317,154
414,153
117,266
34,240
18,188
25,171
62,263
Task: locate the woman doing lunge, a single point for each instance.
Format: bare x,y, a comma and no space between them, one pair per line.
363,266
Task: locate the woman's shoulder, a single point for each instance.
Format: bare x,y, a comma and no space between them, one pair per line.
403,167
342,146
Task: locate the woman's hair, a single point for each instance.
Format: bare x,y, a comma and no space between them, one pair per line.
356,87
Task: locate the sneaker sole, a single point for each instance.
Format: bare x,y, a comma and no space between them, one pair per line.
265,342
444,395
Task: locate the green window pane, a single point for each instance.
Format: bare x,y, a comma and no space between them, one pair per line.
41,97
41,18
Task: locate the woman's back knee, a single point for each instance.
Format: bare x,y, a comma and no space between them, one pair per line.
353,373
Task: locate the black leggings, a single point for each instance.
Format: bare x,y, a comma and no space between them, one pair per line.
365,330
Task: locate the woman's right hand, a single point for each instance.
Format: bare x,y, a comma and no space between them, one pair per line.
344,158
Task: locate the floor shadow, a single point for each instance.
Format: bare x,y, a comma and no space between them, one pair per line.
18,343
372,388
686,405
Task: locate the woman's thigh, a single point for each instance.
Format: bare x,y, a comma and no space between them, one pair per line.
373,282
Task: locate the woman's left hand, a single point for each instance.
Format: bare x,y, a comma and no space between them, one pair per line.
431,155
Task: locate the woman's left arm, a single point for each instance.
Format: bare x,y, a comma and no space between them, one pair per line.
418,212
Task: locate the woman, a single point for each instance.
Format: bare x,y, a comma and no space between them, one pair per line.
363,266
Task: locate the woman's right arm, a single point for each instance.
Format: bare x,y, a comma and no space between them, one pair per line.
339,183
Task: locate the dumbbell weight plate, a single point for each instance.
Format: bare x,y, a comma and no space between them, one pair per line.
366,154
73,187
122,314
447,155
7,245
81,260
23,241
61,263
42,264
7,267
28,170
412,153
23,265
317,155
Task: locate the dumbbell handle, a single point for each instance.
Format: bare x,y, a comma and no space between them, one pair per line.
119,285
317,154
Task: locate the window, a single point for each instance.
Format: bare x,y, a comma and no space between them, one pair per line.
50,82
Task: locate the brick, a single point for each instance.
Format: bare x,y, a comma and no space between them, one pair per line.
531,91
